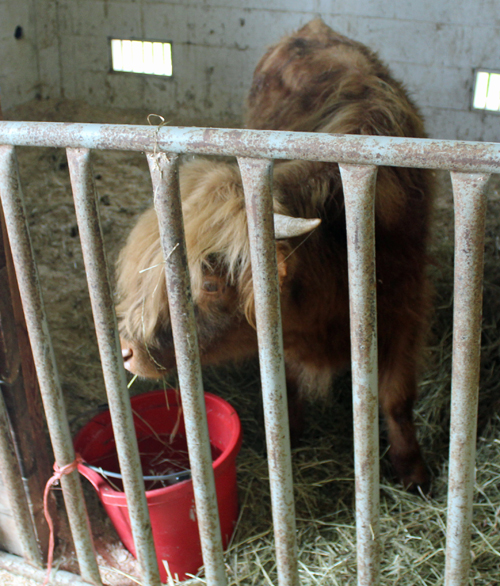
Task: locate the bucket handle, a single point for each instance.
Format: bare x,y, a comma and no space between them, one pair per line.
97,476
96,479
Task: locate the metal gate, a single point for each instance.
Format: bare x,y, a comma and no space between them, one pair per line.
358,156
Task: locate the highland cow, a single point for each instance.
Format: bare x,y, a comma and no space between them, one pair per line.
314,80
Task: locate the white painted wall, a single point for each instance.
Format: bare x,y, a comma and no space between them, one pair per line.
19,78
433,47
29,66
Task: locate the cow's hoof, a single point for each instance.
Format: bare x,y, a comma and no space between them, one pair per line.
419,482
413,476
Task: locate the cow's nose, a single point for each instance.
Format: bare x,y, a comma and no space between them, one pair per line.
127,354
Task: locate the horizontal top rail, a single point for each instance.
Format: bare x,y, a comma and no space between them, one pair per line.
478,157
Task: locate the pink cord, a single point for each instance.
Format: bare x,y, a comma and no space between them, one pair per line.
58,473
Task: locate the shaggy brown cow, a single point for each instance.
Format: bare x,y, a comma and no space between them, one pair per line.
313,80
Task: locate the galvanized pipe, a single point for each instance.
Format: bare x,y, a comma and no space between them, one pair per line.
257,183
359,195
455,155
165,177
101,298
479,157
13,481
470,209
43,354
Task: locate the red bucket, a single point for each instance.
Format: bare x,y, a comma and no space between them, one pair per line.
171,508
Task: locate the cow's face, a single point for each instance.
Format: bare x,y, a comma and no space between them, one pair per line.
219,263
223,331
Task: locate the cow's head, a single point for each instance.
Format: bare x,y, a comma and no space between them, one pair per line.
219,263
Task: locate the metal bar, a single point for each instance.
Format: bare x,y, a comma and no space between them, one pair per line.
112,362
16,565
43,354
359,195
362,150
13,481
165,176
257,183
470,209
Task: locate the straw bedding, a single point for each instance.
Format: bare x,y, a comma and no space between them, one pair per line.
412,526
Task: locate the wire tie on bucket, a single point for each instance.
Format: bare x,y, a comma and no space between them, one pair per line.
59,472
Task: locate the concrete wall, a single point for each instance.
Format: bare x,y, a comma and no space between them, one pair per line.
433,47
19,75
29,65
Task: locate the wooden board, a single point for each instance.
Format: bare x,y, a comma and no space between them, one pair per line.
22,398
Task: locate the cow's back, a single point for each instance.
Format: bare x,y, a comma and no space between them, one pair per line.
317,80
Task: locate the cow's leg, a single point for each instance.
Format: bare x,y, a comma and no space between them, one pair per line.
295,410
397,393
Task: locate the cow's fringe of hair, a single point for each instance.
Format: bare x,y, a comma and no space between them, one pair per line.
216,231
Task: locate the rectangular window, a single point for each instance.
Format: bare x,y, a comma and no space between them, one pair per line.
487,91
147,57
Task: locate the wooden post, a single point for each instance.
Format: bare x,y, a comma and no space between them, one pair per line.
19,387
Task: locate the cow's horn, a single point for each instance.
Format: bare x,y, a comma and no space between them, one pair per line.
288,227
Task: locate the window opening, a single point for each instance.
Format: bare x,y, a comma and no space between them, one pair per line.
487,91
147,57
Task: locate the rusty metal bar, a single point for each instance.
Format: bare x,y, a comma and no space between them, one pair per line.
165,177
111,358
362,150
13,481
470,210
43,354
16,565
257,182
356,155
359,195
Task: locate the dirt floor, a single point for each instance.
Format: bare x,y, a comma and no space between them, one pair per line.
413,527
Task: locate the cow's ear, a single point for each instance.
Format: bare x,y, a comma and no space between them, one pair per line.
282,254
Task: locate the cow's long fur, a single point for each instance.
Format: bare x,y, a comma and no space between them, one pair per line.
318,81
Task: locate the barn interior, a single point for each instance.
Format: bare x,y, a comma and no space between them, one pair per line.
57,65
